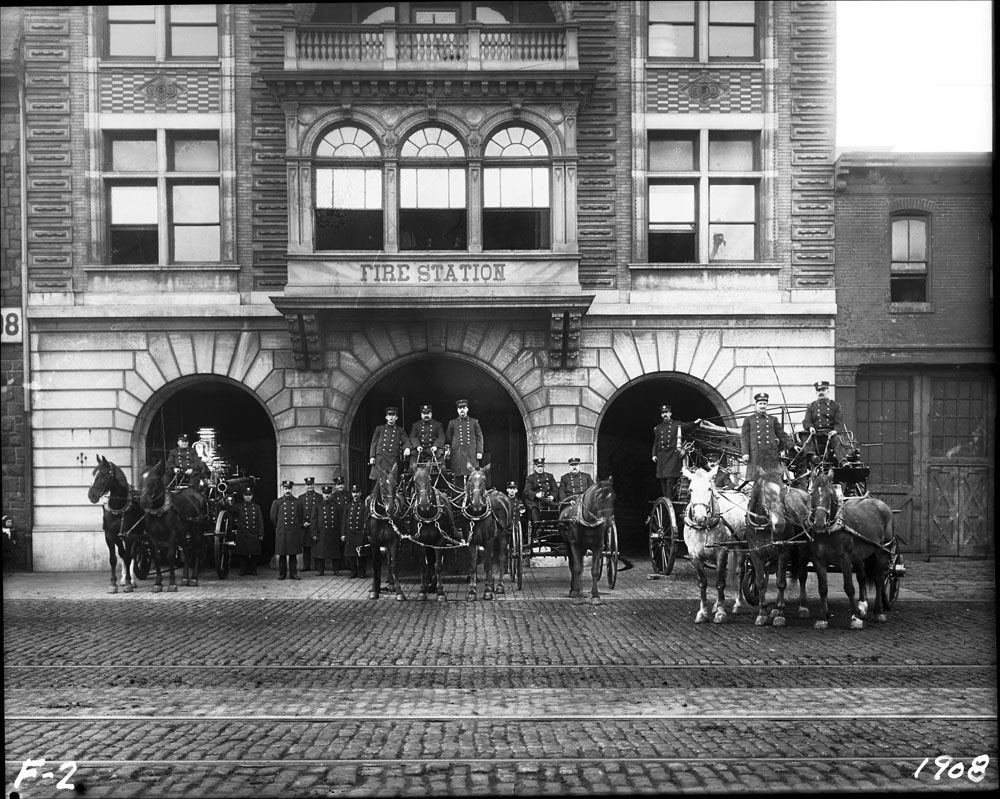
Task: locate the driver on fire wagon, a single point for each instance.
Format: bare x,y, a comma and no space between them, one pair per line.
184,464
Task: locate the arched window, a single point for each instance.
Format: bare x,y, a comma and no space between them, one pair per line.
908,269
432,207
516,194
348,191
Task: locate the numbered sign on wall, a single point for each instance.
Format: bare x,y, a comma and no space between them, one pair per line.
12,327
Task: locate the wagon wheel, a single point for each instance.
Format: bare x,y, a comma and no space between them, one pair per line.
748,584
657,545
890,583
515,554
223,547
143,559
611,552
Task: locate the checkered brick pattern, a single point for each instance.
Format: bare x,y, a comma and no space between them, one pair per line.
681,92
168,90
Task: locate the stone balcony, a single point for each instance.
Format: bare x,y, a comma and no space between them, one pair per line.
414,48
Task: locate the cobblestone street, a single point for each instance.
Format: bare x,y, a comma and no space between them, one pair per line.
251,686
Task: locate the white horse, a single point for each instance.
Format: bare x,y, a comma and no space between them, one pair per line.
714,520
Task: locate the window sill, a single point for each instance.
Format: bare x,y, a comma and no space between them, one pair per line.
910,307
186,267
672,63
131,62
713,265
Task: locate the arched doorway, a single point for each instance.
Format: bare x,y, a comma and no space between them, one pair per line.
243,429
625,440
440,381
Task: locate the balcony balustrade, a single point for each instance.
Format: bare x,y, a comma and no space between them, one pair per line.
459,48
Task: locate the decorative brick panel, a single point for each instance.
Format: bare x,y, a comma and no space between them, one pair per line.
160,91
700,91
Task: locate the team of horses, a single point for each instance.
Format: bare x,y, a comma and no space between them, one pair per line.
778,527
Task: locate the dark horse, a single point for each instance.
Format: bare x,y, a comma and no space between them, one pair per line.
854,534
433,529
584,523
776,532
123,529
386,512
489,514
172,519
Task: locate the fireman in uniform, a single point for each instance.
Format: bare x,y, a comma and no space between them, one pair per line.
352,532
539,491
824,421
249,532
341,498
763,439
389,444
309,507
464,439
184,465
516,505
426,437
287,521
668,448
574,482
326,532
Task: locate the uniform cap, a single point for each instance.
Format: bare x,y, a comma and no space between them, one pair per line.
355,489
539,461
822,384
248,492
327,489
310,481
462,403
287,483
425,409
183,437
338,481
392,409
574,461
511,484
760,396
665,408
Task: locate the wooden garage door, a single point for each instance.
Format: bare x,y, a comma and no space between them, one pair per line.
959,510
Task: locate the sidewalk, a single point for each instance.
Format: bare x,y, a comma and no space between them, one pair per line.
950,579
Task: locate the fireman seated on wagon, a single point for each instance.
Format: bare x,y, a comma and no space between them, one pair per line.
184,466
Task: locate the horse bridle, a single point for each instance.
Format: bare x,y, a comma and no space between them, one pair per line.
713,514
470,515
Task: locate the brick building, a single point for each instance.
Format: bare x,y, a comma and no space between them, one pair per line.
275,219
915,352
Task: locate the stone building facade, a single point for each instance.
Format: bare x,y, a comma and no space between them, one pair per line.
915,356
275,219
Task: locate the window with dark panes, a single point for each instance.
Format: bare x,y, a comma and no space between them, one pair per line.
908,269
703,196
884,408
959,417
700,30
164,198
516,199
348,191
432,194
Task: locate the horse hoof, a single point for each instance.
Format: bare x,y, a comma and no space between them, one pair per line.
193,583
400,597
488,596
720,618
172,589
184,581
774,613
113,589
762,620
578,600
596,600
442,598
856,623
779,621
471,596
373,594
862,609
803,613
157,589
881,619
421,597
821,625
128,588
500,591
701,617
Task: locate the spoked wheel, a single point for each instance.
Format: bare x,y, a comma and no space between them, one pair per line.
662,546
515,554
748,582
223,544
143,560
611,552
890,584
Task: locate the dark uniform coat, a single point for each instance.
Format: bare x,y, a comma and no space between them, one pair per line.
286,516
762,438
249,527
308,505
424,435
465,437
570,484
668,458
825,415
353,526
326,528
386,448
184,459
536,482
